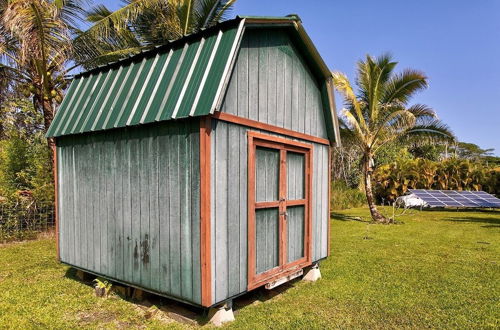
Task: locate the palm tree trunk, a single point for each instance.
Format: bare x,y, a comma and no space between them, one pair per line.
368,170
48,115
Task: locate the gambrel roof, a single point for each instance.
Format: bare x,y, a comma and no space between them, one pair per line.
185,78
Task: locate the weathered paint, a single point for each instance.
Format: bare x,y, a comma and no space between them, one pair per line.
130,206
272,83
229,207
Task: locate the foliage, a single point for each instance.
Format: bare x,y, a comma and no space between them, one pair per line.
426,151
470,151
102,287
390,153
444,275
346,165
36,51
141,24
343,197
393,180
379,114
25,162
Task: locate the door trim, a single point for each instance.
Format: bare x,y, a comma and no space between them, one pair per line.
284,145
227,117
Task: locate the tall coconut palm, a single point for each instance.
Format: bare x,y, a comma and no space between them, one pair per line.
35,51
141,24
379,113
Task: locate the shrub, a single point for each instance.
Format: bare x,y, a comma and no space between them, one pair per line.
343,197
393,180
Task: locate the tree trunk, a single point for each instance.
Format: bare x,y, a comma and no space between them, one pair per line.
45,106
368,170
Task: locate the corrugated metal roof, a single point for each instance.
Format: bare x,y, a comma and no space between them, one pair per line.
176,83
181,79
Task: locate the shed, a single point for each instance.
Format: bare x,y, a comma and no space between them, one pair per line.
199,170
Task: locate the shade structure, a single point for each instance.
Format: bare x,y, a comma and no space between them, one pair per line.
453,198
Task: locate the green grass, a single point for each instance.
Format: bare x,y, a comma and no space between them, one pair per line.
435,269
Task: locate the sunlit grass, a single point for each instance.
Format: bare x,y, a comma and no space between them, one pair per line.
434,269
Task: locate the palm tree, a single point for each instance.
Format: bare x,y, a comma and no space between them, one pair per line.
379,114
35,51
142,24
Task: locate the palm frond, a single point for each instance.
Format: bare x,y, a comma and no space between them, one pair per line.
343,86
430,131
422,111
401,87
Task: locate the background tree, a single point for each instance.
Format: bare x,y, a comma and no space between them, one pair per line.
379,114
142,24
36,50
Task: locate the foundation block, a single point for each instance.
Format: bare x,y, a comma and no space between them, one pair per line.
221,314
313,274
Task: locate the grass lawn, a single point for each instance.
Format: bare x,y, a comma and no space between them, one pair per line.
436,269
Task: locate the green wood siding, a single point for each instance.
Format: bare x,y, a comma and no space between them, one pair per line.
229,208
272,83
129,206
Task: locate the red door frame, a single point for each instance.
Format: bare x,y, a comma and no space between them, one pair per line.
259,139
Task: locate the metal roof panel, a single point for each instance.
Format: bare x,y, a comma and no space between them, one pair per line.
158,85
186,77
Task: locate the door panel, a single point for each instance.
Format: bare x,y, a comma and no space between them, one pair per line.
267,239
267,174
279,195
295,236
295,169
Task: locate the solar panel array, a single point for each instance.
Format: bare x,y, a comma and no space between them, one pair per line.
453,198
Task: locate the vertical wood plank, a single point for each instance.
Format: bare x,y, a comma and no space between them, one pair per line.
110,192
135,192
263,77
221,230
165,153
272,86
280,83
175,244
128,195
154,226
253,78
194,137
95,219
243,79
118,203
233,202
185,230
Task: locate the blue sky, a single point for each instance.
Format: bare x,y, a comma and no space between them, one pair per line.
455,42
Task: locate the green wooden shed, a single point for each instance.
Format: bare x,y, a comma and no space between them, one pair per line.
199,170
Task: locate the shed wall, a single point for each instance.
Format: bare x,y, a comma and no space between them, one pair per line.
272,84
129,206
229,207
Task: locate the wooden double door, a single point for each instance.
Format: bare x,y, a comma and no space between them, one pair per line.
279,207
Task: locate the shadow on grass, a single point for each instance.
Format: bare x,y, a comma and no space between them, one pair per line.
476,219
262,294
345,217
178,311
148,303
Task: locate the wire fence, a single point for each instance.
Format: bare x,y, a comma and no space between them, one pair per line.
20,221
